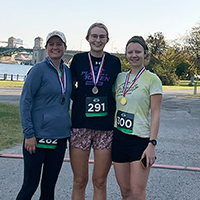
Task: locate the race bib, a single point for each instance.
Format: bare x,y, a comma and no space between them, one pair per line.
125,121
46,143
96,106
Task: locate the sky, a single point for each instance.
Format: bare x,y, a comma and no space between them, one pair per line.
124,18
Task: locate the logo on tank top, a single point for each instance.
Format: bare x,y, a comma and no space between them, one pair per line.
88,76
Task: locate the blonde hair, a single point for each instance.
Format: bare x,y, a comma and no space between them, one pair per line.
99,25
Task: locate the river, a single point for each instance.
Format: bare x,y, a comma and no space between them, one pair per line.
14,69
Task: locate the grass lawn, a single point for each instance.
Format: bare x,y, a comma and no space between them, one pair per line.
183,85
11,83
10,126
166,87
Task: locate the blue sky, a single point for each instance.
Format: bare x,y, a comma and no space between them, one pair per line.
124,18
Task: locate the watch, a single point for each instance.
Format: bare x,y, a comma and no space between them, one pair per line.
154,142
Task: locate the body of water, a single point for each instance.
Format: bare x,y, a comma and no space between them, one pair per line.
16,70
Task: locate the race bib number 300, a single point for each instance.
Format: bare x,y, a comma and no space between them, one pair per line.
96,107
125,121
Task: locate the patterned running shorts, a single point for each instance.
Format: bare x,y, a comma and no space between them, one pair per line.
84,139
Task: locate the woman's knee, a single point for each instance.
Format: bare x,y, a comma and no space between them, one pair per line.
125,192
138,193
80,182
99,182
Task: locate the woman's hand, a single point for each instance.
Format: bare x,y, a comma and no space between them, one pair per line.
30,145
149,152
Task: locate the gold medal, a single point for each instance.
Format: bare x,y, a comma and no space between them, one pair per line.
123,101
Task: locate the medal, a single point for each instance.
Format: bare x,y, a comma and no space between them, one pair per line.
95,80
62,79
62,101
95,90
123,101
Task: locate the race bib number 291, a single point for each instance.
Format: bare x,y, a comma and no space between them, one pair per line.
125,121
96,106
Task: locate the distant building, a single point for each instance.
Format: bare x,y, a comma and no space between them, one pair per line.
19,41
11,42
39,53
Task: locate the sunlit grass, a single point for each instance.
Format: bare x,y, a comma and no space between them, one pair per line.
183,85
166,87
11,83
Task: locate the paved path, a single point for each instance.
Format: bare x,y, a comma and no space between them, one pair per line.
178,145
10,95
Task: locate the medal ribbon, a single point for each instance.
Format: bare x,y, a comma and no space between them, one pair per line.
63,79
92,69
127,79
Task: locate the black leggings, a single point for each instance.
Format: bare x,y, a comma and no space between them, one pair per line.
51,160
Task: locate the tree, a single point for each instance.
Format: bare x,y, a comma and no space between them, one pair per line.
125,64
186,68
192,46
166,67
162,59
157,46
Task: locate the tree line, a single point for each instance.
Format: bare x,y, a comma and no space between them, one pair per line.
172,60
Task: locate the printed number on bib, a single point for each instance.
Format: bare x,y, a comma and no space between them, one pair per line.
125,121
96,106
46,143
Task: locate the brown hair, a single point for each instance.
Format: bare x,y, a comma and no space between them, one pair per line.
140,40
100,25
